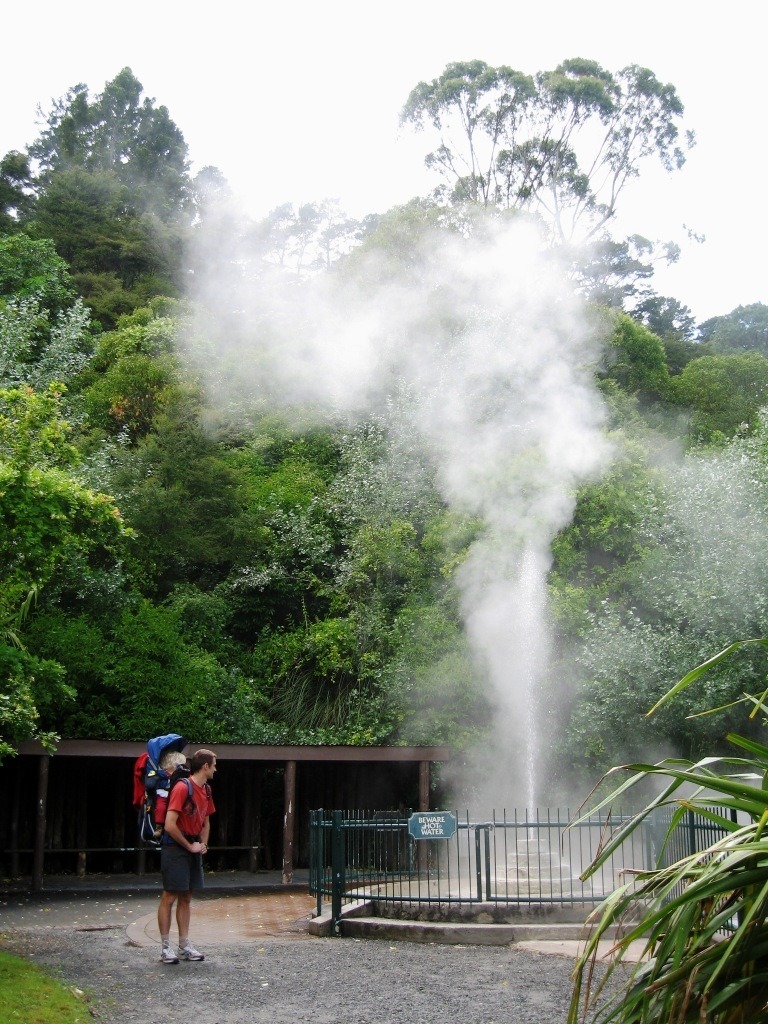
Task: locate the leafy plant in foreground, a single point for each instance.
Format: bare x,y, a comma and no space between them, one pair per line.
701,921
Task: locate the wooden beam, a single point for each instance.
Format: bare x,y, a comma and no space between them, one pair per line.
248,752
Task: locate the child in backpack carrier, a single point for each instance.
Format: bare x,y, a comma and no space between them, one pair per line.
173,766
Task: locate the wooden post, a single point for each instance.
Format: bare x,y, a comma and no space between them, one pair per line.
40,821
81,840
423,785
422,860
13,832
118,835
246,822
288,821
258,842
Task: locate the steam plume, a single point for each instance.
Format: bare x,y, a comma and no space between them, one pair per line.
487,333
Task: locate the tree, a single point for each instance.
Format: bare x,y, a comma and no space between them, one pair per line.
617,273
564,144
97,226
668,318
636,359
45,512
725,393
115,194
309,238
125,666
489,104
38,352
745,329
32,268
46,517
17,194
119,132
691,572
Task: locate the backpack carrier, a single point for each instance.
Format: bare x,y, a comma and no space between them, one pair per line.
152,785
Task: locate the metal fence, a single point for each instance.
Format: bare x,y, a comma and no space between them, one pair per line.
507,861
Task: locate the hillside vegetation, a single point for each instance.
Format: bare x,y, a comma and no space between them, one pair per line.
175,534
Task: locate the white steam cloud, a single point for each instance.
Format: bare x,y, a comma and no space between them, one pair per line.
488,335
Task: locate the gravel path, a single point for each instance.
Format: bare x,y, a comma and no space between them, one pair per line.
285,981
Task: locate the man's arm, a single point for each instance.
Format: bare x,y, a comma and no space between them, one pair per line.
173,830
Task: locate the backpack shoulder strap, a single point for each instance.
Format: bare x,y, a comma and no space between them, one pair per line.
187,785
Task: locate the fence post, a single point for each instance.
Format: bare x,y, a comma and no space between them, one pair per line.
478,866
691,833
337,869
314,861
487,862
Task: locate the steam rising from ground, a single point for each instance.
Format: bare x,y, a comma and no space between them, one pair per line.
488,336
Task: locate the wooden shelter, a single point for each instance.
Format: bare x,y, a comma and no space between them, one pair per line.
71,811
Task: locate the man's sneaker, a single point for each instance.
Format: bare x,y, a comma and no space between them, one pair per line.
168,955
190,953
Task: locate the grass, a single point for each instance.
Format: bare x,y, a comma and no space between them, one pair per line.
31,996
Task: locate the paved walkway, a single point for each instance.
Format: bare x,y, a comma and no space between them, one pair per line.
237,918
236,907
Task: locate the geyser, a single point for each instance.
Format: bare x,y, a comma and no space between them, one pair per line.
487,337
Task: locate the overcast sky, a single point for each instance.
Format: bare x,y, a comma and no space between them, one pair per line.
299,101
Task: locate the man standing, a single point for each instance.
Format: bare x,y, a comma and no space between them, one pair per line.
185,840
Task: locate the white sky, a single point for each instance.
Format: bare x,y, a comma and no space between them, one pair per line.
299,101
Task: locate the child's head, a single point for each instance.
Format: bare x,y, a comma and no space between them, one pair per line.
170,760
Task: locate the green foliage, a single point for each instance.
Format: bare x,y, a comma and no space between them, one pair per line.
39,352
134,673
33,692
745,329
114,194
433,680
613,273
119,255
44,511
120,132
485,101
563,144
604,534
725,393
295,582
667,318
47,517
637,360
697,572
32,269
16,191
130,395
701,920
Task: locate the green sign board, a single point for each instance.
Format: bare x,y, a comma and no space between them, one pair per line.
432,825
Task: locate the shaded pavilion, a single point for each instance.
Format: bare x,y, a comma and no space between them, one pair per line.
71,811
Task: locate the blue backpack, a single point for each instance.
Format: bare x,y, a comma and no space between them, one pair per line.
150,781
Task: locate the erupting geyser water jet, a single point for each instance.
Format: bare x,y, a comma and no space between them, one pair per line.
488,339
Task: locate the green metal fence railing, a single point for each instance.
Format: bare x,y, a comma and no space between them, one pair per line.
507,860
